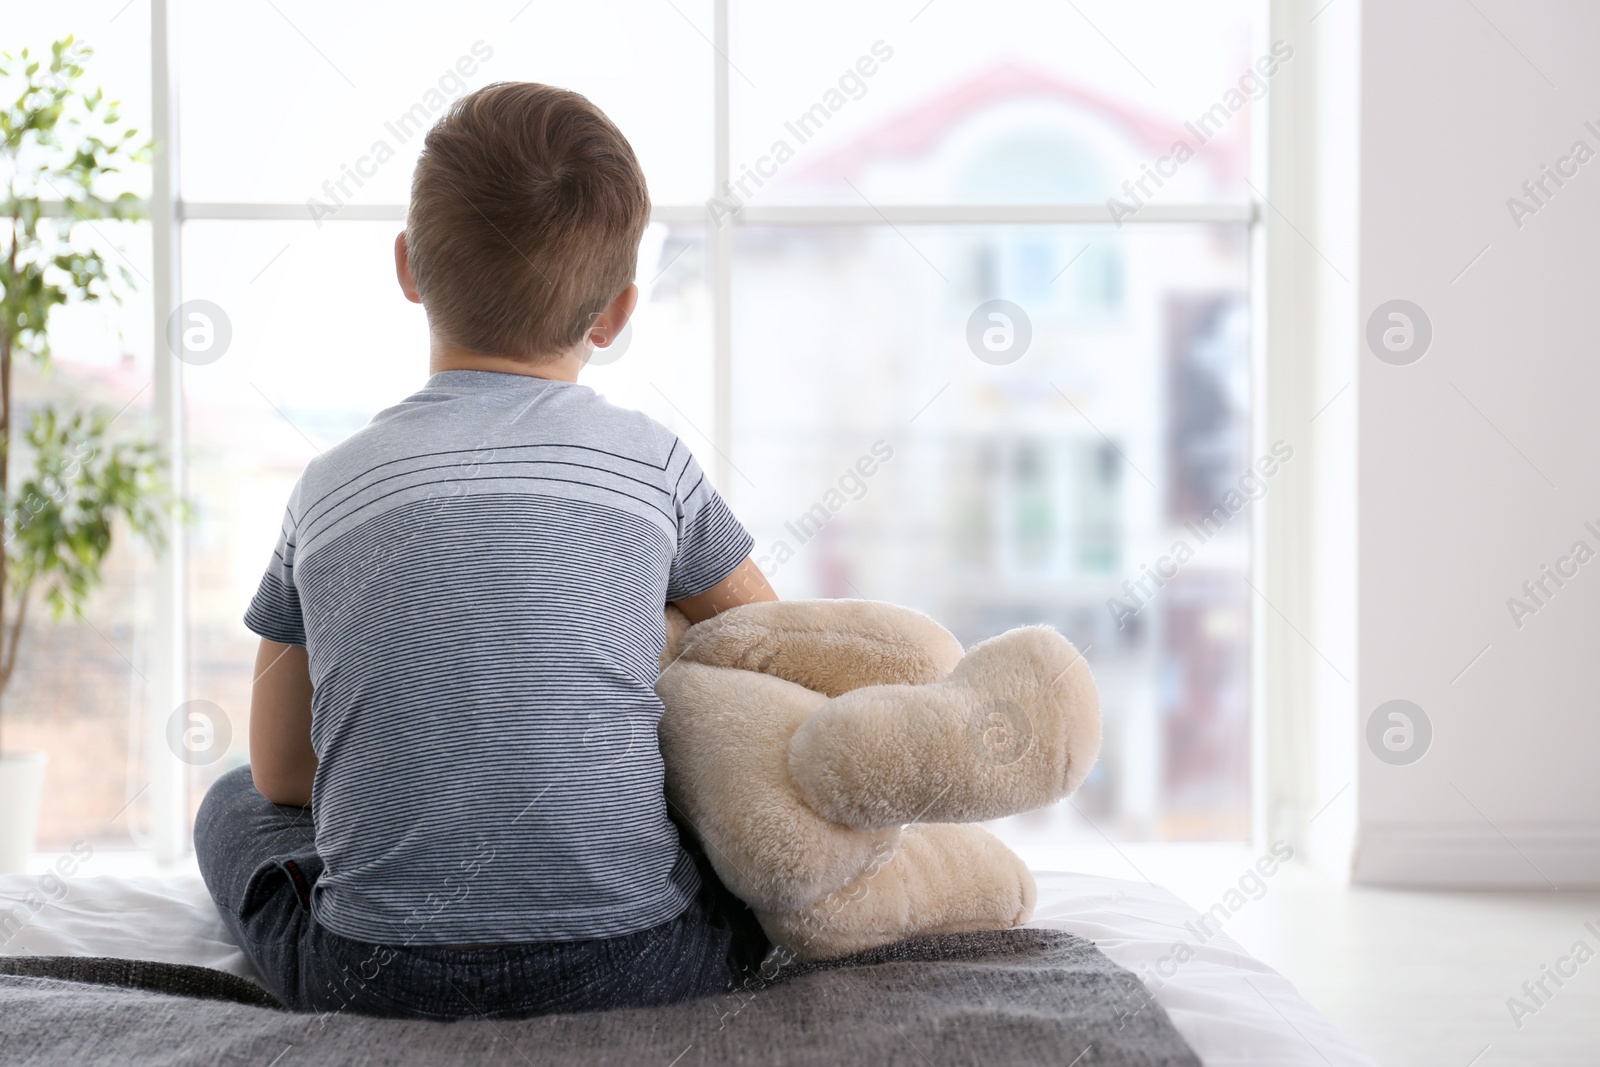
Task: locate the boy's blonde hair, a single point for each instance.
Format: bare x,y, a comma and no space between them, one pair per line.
527,208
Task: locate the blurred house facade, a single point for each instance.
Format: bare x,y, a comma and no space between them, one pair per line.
1029,491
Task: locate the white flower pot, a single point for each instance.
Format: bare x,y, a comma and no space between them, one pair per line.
21,790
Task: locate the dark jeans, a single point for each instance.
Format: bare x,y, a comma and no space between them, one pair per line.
260,861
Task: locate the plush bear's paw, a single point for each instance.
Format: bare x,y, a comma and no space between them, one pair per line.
941,878
981,884
1016,726
828,646
1034,703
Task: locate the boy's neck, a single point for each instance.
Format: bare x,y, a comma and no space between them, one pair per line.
443,356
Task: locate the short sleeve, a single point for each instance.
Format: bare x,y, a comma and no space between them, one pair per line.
274,613
711,542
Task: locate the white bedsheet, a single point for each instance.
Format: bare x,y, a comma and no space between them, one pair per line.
1231,1008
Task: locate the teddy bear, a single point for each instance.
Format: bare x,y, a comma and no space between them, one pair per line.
832,758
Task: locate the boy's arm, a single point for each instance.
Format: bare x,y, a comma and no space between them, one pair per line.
282,761
746,585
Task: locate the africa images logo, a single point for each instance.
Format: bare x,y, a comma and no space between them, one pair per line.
1399,332
1399,732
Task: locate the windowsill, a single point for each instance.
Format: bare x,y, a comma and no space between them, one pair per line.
1197,873
116,863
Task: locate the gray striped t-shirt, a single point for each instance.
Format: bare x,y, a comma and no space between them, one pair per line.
478,578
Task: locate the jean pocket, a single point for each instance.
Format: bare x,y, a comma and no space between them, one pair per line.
295,874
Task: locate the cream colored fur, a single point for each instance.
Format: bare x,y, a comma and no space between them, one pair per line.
828,754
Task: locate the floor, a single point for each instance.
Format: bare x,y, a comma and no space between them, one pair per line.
1425,979
1419,979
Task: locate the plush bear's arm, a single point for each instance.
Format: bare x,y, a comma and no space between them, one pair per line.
1015,726
828,646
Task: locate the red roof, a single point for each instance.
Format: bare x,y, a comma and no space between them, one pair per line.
915,131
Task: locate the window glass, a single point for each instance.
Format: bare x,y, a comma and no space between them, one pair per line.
79,692
1003,425
111,42
1005,101
299,101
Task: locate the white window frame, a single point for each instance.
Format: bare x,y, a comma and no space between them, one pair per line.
167,673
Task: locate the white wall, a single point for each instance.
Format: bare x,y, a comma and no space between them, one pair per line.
1480,462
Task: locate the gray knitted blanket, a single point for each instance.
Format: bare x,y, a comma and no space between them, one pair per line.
1012,997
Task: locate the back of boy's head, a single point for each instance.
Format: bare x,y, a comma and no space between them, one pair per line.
527,208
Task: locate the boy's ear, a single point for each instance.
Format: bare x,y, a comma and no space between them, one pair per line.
402,269
608,324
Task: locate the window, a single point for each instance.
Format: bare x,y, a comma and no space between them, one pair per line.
1023,492
957,241
78,693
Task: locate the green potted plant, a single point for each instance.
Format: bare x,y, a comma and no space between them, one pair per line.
72,483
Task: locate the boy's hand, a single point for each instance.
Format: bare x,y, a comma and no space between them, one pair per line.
746,585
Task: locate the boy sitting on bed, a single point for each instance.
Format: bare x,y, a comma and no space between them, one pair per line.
462,624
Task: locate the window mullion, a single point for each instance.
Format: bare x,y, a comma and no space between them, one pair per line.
720,248
168,667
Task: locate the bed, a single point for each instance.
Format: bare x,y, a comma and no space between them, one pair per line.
1229,1008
